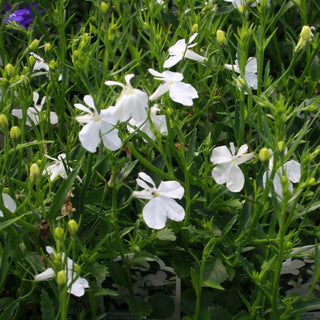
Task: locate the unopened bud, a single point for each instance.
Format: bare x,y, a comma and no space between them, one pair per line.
281,146
47,47
104,7
73,226
15,132
305,33
264,155
61,278
34,45
195,28
59,233
221,37
34,172
311,181
241,9
9,71
3,121
241,83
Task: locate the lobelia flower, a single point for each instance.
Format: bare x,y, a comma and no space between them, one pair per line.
75,284
238,3
22,16
179,50
161,205
132,103
290,266
250,74
8,203
159,123
227,163
178,91
33,112
97,125
58,168
291,169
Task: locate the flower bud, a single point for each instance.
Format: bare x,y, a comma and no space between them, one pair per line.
9,71
59,233
311,181
241,9
241,83
221,37
264,155
47,47
146,25
305,34
3,121
15,132
281,146
195,28
34,45
61,278
73,226
77,269
32,60
104,7
34,172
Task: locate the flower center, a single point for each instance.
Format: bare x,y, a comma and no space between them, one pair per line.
155,194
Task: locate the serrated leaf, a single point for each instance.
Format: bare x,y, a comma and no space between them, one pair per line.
166,234
99,271
215,271
46,306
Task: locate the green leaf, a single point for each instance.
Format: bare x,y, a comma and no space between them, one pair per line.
212,284
215,271
106,292
47,309
99,271
60,196
126,170
166,234
191,148
9,310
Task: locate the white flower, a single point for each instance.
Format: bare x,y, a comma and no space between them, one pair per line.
58,168
132,103
227,166
9,203
292,266
238,3
292,171
178,91
41,66
161,205
33,112
75,284
179,50
159,123
250,73
97,125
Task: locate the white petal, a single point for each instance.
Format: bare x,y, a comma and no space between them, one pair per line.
114,83
45,275
111,139
172,76
178,48
9,203
154,214
194,56
162,89
146,178
220,155
107,115
251,80
251,65
77,288
53,118
89,101
35,97
232,67
193,37
173,210
82,108
292,169
50,250
173,60
220,172
171,189
17,113
235,179
182,93
242,150
144,194
89,136
155,73
128,77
